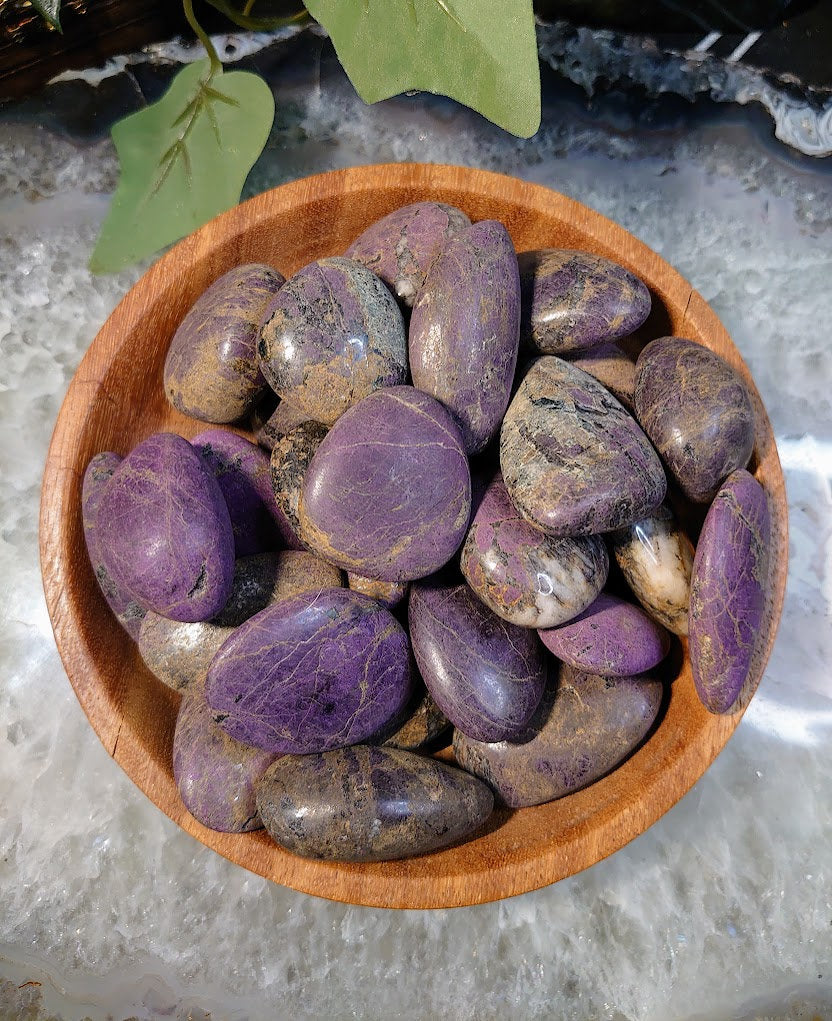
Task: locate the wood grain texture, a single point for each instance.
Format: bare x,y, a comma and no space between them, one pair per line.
116,399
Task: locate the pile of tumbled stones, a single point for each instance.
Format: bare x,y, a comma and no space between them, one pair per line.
467,434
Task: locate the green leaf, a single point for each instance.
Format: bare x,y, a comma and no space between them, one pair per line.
50,11
184,159
482,53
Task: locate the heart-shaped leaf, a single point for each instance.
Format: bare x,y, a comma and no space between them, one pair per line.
184,159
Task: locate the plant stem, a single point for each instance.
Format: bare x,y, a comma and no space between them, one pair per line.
248,7
204,38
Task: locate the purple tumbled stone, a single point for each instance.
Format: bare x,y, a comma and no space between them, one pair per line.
98,474
574,300
211,371
525,576
215,774
574,461
401,246
388,493
696,410
485,674
611,638
614,368
322,670
242,471
332,335
165,532
465,327
388,593
728,591
585,726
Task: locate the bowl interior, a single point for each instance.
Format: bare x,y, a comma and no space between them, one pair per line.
116,399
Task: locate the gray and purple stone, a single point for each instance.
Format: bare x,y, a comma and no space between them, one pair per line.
574,300
574,461
423,722
242,471
611,638
332,335
388,492
388,593
485,674
525,576
697,411
401,246
728,591
320,671
584,727
179,654
614,368
464,330
291,456
283,420
369,804
164,530
215,774
211,370
98,474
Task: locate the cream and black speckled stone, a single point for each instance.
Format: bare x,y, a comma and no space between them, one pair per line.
369,804
424,722
291,456
388,593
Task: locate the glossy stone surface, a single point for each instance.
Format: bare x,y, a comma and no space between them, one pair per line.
730,575
99,472
322,670
215,775
585,726
388,493
242,471
573,460
388,593
282,420
525,576
211,371
165,532
696,410
575,300
485,674
464,330
424,722
179,654
332,335
401,246
369,804
614,368
656,558
612,638
291,456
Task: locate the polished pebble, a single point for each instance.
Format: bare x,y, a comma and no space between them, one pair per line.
179,654
211,371
332,335
464,330
614,368
283,420
612,638
291,455
388,593
485,674
98,474
574,300
164,530
369,804
401,246
214,774
656,558
388,492
728,591
242,471
697,411
319,671
423,723
574,461
525,576
584,727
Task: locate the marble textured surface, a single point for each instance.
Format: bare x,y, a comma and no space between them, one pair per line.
722,909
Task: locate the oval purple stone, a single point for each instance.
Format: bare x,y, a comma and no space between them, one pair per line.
323,670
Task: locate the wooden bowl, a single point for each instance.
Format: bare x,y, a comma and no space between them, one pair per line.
116,399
